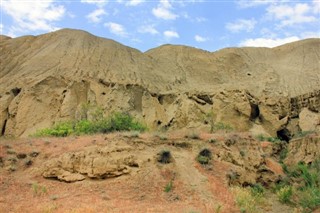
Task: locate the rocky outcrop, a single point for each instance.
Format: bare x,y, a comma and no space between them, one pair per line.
305,149
309,121
92,162
250,163
45,79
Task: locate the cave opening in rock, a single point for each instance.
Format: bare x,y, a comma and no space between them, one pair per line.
284,135
255,111
16,91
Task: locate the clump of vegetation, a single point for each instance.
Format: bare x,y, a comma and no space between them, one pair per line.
248,199
38,189
204,156
262,137
164,157
257,189
116,122
306,193
169,186
222,126
285,194
212,140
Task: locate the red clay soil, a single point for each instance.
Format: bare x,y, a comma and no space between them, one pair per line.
25,190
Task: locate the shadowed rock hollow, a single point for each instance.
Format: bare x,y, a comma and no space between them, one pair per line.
45,79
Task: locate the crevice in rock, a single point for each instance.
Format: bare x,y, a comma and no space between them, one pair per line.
160,99
3,130
205,98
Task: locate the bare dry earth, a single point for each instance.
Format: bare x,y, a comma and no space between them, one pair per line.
45,79
124,175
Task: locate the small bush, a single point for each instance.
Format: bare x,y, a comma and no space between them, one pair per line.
212,140
204,156
38,189
285,194
246,200
309,199
61,129
164,157
116,122
257,189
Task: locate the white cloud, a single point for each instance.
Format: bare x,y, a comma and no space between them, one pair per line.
289,15
316,7
98,3
38,15
309,34
201,19
200,38
268,42
170,34
96,15
134,2
116,29
163,11
1,28
241,25
252,3
148,29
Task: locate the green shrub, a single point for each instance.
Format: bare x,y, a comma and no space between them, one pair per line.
309,199
84,127
246,200
116,122
124,122
203,159
204,156
285,194
62,129
257,189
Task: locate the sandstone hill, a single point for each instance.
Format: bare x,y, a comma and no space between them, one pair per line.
45,79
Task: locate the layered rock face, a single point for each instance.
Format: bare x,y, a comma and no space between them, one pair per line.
45,79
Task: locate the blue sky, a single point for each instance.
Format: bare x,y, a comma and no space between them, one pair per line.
145,24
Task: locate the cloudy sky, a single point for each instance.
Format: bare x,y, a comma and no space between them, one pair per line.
145,24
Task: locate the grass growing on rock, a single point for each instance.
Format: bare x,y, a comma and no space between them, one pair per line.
116,122
306,193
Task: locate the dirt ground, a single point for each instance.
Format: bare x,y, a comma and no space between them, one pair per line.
194,187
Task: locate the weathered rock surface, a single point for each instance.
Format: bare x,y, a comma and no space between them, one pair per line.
306,149
250,163
93,162
45,79
309,121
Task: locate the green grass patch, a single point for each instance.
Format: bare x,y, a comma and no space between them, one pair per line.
116,122
168,187
262,137
306,193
